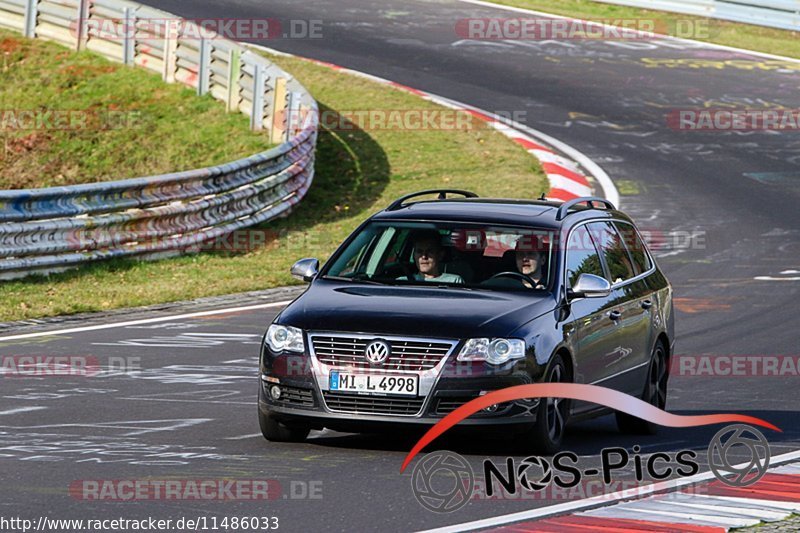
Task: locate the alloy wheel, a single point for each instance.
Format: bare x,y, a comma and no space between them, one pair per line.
557,408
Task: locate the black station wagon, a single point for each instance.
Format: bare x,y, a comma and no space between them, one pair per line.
431,303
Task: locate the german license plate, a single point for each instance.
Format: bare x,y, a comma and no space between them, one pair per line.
406,385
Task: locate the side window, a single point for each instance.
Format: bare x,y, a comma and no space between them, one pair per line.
582,256
618,262
636,247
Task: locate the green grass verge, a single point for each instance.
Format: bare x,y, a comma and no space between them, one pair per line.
106,122
358,173
758,38
792,523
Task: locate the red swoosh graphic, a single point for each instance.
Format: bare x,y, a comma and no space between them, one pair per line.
575,391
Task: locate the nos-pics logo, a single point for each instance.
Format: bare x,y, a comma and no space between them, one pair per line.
444,481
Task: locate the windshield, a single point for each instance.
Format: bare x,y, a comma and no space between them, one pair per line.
448,254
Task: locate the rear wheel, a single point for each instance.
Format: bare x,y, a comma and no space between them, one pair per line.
552,415
655,393
276,431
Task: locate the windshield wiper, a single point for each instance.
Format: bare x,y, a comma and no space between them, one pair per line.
432,285
354,278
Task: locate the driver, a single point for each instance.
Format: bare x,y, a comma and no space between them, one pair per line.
529,259
428,256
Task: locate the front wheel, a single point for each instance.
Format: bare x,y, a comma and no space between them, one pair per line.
276,431
552,415
655,393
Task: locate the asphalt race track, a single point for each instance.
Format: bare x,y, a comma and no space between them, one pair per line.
189,411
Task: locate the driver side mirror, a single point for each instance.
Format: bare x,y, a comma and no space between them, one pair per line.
590,286
305,269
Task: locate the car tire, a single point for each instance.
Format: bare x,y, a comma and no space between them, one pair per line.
275,431
655,393
552,414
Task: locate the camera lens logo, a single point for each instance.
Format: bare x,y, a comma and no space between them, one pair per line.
527,473
442,482
738,444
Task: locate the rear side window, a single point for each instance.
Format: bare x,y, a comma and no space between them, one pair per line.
619,263
582,257
636,247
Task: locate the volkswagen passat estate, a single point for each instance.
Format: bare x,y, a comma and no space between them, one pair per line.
433,302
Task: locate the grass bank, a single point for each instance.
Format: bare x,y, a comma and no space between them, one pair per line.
360,169
70,118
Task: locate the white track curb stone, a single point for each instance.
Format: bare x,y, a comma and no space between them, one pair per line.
568,170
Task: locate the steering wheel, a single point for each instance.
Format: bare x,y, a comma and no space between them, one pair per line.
408,272
516,275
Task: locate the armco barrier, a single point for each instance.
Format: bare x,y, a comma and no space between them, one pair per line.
782,14
47,230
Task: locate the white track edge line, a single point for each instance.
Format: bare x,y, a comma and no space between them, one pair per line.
144,321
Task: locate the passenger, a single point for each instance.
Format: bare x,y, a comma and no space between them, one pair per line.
428,256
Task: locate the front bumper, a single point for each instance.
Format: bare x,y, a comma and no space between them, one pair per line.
301,400
365,423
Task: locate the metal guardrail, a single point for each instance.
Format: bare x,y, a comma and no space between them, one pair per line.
781,14
51,229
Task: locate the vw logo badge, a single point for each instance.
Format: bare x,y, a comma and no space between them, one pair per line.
377,352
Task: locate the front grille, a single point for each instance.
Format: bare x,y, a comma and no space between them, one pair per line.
409,355
352,403
449,404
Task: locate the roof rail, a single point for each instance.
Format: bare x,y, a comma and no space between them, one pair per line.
563,209
397,204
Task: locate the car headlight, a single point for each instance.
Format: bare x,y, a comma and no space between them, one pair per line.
494,351
280,338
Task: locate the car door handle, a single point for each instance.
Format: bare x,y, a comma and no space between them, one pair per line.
614,315
647,304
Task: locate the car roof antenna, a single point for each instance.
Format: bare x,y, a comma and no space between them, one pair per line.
542,198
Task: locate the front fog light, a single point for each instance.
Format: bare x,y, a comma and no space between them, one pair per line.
491,408
275,392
